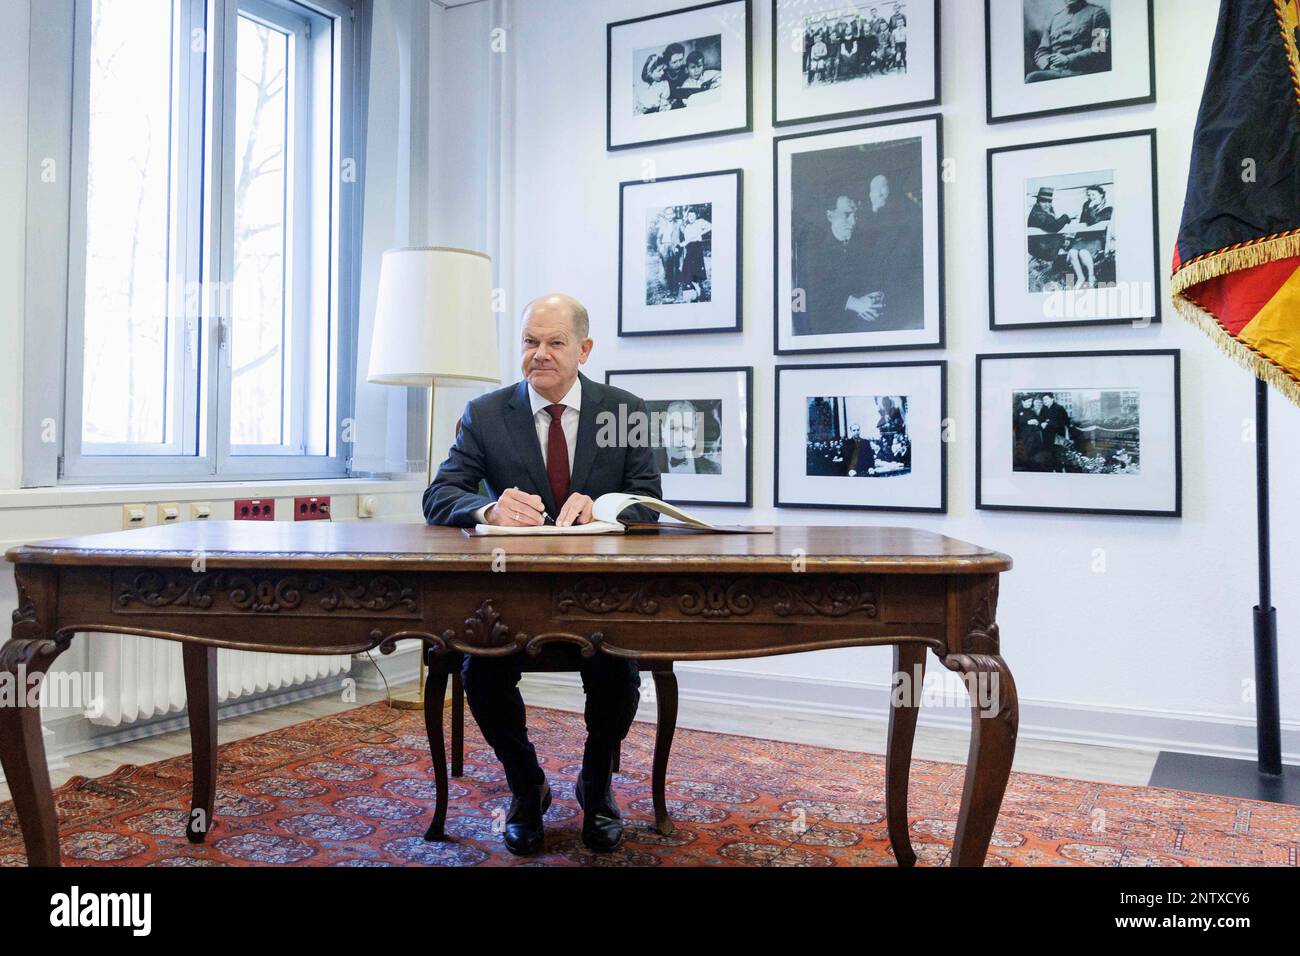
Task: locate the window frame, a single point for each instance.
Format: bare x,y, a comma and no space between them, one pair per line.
199,346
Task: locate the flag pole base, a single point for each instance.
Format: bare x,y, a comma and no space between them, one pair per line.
1226,777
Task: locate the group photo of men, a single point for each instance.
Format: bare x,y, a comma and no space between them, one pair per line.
858,437
857,42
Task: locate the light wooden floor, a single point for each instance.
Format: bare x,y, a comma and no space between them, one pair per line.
1080,761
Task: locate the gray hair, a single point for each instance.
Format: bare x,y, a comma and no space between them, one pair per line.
577,313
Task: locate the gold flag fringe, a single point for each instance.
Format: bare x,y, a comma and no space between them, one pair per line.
1236,258
1237,350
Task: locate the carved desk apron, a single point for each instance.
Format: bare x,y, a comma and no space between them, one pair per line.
325,588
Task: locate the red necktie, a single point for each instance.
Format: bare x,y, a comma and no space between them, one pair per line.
557,457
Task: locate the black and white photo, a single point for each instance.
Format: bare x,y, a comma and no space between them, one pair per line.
688,435
679,250
858,436
679,75
861,437
1046,57
683,73
1076,431
700,428
1072,232
1066,38
1070,240
858,239
838,58
1086,432
680,254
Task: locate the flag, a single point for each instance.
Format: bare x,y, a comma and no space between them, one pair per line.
1236,270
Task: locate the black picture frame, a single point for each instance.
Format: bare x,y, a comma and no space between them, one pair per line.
1175,354
748,372
940,343
1065,110
940,364
1155,231
748,126
778,123
739,324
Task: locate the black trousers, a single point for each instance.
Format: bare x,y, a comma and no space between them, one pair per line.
613,689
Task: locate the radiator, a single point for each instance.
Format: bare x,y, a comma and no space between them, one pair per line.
144,677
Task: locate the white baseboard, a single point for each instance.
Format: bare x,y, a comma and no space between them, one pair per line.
371,671
71,735
1129,728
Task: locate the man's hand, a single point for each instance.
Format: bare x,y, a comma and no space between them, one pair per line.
516,509
577,510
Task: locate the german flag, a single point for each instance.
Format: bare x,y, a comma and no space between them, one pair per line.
1236,271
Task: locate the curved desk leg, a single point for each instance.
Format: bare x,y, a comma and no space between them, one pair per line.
995,718
665,727
909,659
28,654
435,689
201,700
457,726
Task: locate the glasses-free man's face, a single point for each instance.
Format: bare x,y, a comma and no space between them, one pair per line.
551,352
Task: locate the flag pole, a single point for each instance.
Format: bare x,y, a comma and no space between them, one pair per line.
1268,719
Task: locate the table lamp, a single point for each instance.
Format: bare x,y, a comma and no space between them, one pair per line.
433,324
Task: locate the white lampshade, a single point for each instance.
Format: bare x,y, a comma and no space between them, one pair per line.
433,318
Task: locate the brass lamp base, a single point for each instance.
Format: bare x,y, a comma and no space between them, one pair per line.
410,700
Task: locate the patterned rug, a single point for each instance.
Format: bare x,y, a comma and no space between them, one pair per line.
356,789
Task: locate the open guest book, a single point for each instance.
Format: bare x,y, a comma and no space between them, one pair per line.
604,520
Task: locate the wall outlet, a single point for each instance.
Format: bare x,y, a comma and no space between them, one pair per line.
133,516
200,510
255,509
169,512
311,508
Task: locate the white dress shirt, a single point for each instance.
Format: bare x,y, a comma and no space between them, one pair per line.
572,402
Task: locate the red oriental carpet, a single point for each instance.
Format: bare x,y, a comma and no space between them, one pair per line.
356,789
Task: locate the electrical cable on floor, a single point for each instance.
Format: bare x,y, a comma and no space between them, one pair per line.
388,695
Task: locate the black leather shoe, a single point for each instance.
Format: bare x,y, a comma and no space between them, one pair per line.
602,825
524,834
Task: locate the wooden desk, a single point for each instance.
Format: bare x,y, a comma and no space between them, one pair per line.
323,588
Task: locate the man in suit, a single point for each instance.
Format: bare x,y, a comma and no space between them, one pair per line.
679,449
533,445
833,268
1056,431
859,460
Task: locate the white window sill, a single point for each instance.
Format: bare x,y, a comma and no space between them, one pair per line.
71,495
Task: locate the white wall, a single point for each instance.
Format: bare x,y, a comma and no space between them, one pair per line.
13,225
1166,630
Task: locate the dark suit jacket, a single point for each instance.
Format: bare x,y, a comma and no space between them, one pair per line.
497,444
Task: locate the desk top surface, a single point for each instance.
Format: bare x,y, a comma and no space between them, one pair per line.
369,545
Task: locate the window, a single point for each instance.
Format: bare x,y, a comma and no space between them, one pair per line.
209,271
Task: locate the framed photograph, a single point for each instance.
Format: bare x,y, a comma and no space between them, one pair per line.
838,58
1073,233
1045,57
1079,432
680,254
859,238
701,429
680,75
862,437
